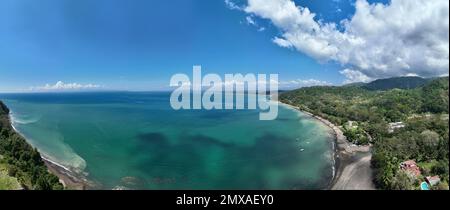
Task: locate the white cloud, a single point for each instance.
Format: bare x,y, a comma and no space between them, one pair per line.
231,5
60,86
250,20
354,76
404,37
303,83
251,85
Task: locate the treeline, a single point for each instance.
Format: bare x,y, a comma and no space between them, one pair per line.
396,82
423,110
425,140
24,162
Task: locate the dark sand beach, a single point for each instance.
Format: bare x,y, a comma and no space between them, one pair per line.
69,179
352,169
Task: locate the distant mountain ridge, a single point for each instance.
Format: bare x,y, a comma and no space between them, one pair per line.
396,82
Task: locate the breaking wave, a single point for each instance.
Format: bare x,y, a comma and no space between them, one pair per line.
23,120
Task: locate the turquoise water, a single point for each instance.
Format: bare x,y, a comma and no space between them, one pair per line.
135,140
424,186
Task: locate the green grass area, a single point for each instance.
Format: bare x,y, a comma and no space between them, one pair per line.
427,167
7,182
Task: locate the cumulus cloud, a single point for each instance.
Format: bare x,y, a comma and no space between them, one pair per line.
354,76
61,86
404,37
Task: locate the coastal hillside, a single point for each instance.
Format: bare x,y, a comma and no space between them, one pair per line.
401,124
396,82
21,166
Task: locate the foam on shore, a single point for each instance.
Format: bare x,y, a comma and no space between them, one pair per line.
76,163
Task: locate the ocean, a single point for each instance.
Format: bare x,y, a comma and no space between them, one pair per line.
135,140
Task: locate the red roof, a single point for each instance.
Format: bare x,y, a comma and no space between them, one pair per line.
410,166
410,162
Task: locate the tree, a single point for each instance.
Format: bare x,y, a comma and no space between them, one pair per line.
402,181
430,141
441,168
430,138
23,161
42,184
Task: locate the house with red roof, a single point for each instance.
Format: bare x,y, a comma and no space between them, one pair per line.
411,168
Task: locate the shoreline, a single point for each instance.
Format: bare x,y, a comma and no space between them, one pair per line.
350,171
69,179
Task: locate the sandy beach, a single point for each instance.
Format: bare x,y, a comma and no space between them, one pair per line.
353,170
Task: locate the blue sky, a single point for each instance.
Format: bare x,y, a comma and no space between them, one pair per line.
140,44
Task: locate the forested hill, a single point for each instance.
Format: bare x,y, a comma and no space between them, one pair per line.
397,82
365,116
21,160
4,111
346,103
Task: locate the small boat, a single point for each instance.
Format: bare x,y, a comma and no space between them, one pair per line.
301,150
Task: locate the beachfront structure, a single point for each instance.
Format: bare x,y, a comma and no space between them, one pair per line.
411,168
432,180
394,126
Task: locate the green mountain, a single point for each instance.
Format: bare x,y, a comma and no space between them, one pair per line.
397,82
355,84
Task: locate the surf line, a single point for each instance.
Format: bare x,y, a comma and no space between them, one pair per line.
234,87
